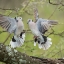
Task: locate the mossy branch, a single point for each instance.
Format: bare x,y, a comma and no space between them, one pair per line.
12,56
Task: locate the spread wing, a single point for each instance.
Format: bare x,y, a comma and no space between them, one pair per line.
7,23
44,24
48,23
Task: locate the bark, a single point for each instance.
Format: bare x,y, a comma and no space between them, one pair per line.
9,55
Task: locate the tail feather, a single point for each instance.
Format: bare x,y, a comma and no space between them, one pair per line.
53,22
35,43
40,46
13,44
19,41
45,45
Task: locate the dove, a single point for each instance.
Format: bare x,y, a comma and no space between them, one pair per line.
17,41
15,26
38,29
43,26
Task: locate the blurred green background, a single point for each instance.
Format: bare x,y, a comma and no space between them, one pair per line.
45,11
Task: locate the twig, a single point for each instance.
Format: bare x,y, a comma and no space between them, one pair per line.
28,12
7,9
51,32
10,13
53,12
2,31
57,53
53,3
29,41
60,34
57,44
27,31
56,3
26,5
6,38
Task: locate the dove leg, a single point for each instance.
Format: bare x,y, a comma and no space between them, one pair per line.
39,45
35,40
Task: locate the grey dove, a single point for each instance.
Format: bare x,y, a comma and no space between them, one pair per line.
15,26
39,28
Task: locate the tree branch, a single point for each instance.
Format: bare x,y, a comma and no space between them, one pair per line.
53,3
12,56
6,9
61,34
56,3
28,12
53,12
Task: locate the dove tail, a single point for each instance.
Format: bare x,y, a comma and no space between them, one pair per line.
13,43
52,22
22,38
47,44
35,41
17,41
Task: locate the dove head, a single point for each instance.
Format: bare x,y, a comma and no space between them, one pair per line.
18,19
29,20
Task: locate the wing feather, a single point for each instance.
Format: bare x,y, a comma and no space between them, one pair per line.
4,22
52,22
7,23
45,25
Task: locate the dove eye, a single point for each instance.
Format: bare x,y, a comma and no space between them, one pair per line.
20,18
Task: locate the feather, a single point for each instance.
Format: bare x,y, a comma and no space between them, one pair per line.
47,44
7,23
34,43
52,22
17,41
